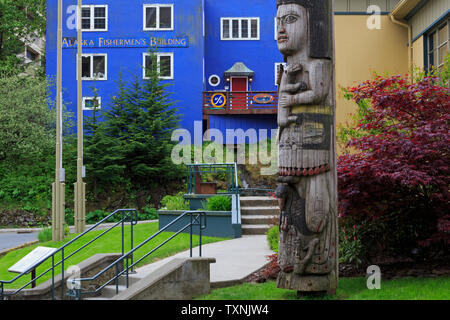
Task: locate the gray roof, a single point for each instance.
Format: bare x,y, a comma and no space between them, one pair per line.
239,69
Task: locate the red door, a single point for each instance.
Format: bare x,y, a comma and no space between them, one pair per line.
238,100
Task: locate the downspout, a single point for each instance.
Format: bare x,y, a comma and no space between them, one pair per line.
410,51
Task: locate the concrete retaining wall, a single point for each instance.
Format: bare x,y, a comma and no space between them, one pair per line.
179,279
88,268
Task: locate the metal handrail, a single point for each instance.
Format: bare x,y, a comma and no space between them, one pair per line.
77,292
133,221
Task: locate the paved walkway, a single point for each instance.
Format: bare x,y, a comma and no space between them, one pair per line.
235,259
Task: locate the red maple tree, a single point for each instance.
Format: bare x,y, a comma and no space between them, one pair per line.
401,164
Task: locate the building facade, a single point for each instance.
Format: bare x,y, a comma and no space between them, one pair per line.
221,57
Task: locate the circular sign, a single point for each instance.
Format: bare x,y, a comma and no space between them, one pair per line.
218,100
263,98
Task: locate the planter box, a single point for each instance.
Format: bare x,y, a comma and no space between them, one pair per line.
218,223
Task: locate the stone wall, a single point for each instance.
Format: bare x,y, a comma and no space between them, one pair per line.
22,218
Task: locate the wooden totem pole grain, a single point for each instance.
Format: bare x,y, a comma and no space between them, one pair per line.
307,181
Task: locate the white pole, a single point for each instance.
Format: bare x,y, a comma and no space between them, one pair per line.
58,186
79,186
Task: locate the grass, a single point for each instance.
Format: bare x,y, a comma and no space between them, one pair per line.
109,243
349,289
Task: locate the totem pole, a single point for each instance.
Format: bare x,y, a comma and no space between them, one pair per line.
307,186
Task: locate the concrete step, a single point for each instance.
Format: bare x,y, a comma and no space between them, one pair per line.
258,219
258,201
269,211
255,229
96,298
110,291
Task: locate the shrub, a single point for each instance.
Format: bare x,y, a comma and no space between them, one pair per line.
395,186
176,202
350,247
45,235
273,236
219,203
148,213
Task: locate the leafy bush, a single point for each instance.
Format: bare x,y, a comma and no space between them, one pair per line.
45,235
273,236
350,247
219,203
176,202
395,186
148,213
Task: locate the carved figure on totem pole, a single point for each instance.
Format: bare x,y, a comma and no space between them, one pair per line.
307,189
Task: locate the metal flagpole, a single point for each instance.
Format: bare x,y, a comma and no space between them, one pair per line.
79,186
58,187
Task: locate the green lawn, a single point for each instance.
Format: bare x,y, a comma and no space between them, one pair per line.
109,243
349,289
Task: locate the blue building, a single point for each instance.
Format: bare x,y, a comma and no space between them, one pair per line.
219,56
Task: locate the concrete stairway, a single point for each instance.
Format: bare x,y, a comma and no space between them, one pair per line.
256,214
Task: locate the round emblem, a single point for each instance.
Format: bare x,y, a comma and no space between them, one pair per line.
218,100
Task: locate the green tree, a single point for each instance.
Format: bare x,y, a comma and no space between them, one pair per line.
102,154
142,117
20,21
26,121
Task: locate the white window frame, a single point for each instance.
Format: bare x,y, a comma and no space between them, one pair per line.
92,17
99,101
92,66
209,80
157,6
276,70
437,46
249,19
158,56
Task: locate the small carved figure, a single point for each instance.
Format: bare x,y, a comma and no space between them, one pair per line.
307,175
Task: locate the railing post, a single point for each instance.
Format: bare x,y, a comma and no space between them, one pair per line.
132,236
123,244
62,274
200,236
53,277
117,278
190,235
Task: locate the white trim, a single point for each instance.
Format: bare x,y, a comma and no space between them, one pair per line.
158,55
209,80
276,29
249,37
99,100
92,66
92,17
276,70
157,6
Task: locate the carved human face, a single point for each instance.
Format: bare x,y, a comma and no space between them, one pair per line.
292,23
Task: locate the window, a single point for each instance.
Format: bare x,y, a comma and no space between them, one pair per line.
94,66
239,29
94,18
158,17
214,80
277,67
438,45
165,65
90,102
